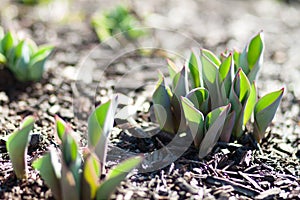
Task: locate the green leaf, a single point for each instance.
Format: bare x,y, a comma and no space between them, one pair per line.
69,149
241,86
236,58
255,50
225,67
22,51
210,74
90,177
194,71
200,98
195,120
237,107
36,70
19,60
174,73
115,176
41,54
214,123
2,59
238,97
243,63
37,63
61,127
96,123
212,57
181,88
32,46
226,73
209,68
162,106
251,101
68,184
50,170
7,43
173,70
100,124
228,127
71,167
17,144
264,112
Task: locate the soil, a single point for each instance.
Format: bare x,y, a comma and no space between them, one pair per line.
82,73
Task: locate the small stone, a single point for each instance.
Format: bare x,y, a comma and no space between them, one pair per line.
10,126
70,73
66,113
54,109
52,99
49,88
22,105
3,97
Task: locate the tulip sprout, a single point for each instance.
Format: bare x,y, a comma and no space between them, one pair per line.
78,176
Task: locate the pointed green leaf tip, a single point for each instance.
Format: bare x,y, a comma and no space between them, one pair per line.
69,149
264,112
100,124
61,127
255,50
17,144
7,43
210,65
115,176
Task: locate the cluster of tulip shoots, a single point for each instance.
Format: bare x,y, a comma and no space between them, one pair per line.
119,20
214,98
74,172
23,57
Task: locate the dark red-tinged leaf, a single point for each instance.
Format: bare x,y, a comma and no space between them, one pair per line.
162,106
228,127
